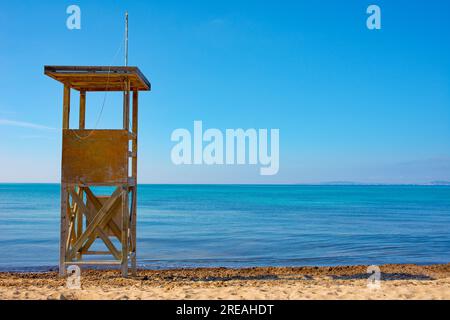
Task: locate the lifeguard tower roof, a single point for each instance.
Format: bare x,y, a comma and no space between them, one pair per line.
99,78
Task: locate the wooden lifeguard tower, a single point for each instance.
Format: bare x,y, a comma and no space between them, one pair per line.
92,158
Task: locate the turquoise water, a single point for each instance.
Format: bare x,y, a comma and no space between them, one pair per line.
242,226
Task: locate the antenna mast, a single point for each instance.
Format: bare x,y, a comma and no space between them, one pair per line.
126,39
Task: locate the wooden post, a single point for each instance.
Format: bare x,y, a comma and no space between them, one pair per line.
125,224
126,106
64,192
63,229
79,221
66,107
82,123
134,174
135,131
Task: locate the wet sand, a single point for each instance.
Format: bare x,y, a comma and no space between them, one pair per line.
344,282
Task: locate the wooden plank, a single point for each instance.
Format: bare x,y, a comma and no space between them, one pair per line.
93,253
134,176
90,214
70,227
102,214
126,106
99,262
135,111
69,239
95,156
99,184
89,68
80,215
66,107
63,230
74,212
125,238
135,132
116,215
112,248
66,74
98,205
94,234
82,120
79,221
98,230
72,234
101,83
98,79
133,231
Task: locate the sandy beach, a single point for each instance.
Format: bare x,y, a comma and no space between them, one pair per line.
346,282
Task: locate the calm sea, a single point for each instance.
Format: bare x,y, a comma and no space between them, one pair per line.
247,225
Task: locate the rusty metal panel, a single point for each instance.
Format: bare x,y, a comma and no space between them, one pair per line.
95,157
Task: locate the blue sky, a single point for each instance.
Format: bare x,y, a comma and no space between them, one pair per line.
351,104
